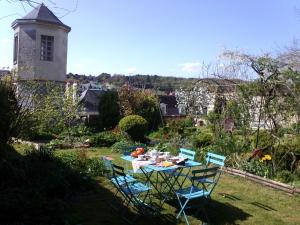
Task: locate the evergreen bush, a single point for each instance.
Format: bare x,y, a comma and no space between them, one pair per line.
135,126
202,140
105,139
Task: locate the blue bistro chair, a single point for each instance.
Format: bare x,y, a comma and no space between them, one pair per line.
108,173
212,158
184,153
107,163
216,160
134,193
197,189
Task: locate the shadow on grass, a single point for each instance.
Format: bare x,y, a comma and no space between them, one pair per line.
263,206
96,209
214,212
41,188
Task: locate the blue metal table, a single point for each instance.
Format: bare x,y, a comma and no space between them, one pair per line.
169,176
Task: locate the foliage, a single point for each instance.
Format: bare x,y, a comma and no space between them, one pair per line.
8,106
38,185
202,140
134,125
121,146
55,109
15,120
161,83
79,161
287,154
179,126
257,167
140,102
265,139
105,138
109,110
285,176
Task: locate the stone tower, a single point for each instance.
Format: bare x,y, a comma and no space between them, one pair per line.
40,46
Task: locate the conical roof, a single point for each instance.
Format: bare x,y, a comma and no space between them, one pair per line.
41,14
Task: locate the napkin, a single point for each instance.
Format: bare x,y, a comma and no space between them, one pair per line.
137,164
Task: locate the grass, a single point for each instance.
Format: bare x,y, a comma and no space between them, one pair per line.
235,201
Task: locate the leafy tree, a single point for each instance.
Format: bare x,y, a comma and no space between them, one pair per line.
8,107
15,113
140,102
272,99
109,110
55,109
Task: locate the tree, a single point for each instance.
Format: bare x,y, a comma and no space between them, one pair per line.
109,110
55,109
15,112
140,102
272,100
8,107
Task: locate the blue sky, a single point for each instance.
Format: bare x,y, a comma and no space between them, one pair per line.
164,37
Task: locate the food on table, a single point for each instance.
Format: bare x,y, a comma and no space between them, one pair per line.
140,150
167,164
134,154
137,152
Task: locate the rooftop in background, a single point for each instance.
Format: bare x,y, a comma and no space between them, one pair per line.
41,14
3,72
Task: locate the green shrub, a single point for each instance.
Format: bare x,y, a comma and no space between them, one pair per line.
256,167
287,153
121,146
39,184
79,161
202,140
188,122
134,125
109,110
265,139
8,109
104,139
285,176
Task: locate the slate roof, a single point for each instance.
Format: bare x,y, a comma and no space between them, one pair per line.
90,99
41,14
171,104
169,100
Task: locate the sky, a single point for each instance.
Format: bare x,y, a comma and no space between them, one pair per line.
163,37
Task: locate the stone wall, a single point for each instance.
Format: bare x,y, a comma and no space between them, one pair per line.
29,64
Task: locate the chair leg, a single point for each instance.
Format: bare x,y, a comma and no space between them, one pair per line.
182,206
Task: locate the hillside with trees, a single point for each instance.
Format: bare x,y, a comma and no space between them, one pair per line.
161,83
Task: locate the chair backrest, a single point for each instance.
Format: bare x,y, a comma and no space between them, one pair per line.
215,159
118,171
203,175
107,163
186,153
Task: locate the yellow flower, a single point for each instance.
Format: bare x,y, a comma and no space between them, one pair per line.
267,157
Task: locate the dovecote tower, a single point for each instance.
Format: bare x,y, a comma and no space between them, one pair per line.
40,46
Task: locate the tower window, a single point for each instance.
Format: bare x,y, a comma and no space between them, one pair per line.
47,43
16,48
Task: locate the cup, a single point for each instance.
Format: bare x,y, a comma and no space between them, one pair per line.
167,155
140,157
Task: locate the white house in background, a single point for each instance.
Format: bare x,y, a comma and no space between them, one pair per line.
40,46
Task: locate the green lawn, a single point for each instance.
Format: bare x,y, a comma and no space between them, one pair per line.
235,201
